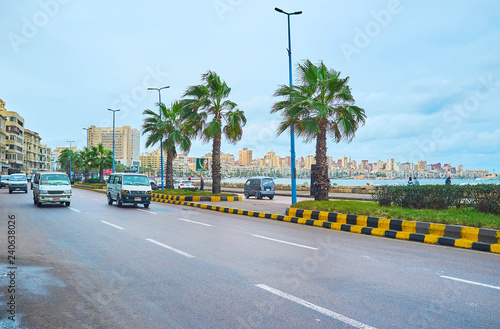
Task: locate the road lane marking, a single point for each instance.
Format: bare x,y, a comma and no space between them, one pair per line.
73,209
149,212
290,243
192,221
118,227
171,248
471,282
96,199
327,312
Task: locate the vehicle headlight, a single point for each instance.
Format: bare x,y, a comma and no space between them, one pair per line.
43,191
148,192
67,191
125,191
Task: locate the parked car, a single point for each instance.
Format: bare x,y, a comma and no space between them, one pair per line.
259,187
4,180
154,184
129,188
31,181
184,184
51,187
18,182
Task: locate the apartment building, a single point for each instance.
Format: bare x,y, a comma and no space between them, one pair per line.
127,142
245,157
15,137
3,145
152,160
36,154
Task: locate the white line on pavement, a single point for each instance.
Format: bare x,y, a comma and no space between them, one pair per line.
192,221
96,199
471,282
73,209
316,308
171,248
290,243
149,212
118,227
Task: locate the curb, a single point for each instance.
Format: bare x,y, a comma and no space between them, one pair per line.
448,235
94,188
161,197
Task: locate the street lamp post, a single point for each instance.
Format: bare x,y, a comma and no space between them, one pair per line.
292,134
161,139
87,129
113,137
70,151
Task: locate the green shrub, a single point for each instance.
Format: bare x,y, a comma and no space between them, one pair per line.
92,180
485,198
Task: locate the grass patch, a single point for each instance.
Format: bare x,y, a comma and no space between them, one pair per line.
184,192
91,184
462,216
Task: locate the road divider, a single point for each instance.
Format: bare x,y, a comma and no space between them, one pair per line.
167,197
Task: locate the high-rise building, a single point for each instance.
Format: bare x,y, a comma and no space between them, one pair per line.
310,160
152,160
390,164
245,157
14,143
127,142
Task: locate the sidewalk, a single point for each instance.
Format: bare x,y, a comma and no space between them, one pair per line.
305,194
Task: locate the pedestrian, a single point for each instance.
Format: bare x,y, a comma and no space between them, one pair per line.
189,178
448,181
410,182
416,182
202,184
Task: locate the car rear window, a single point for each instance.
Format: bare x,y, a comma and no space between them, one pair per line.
267,181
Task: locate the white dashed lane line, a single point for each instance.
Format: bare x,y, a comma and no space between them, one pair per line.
336,316
170,248
149,212
192,221
74,209
470,282
285,242
116,226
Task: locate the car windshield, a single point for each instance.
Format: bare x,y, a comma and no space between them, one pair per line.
267,181
186,182
5,178
54,179
17,178
135,180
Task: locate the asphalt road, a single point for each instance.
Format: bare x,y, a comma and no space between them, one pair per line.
98,266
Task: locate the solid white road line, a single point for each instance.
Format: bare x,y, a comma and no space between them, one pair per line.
290,243
192,221
118,227
336,316
149,212
471,282
73,209
171,248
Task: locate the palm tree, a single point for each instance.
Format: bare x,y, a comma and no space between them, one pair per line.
64,160
320,104
86,158
170,127
103,159
206,109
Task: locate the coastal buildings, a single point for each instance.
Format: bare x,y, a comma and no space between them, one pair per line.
14,123
36,155
3,145
127,142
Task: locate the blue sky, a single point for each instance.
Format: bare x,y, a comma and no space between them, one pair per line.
427,73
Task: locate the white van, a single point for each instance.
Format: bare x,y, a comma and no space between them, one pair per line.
129,188
51,187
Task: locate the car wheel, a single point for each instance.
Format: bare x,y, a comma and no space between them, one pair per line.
119,202
38,203
10,191
258,196
247,195
34,200
26,191
146,205
110,201
271,197
67,204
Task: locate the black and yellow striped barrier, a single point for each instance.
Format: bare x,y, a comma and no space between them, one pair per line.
448,235
165,197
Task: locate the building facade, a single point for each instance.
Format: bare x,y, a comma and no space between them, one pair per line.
127,142
245,157
3,145
15,138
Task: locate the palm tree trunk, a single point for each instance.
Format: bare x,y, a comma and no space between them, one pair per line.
101,174
322,183
169,179
86,174
216,178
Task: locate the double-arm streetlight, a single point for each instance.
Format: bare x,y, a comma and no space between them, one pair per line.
70,151
113,136
292,134
161,138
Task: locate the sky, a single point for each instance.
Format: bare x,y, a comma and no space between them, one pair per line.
427,73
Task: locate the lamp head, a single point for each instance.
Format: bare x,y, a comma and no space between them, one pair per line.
279,10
